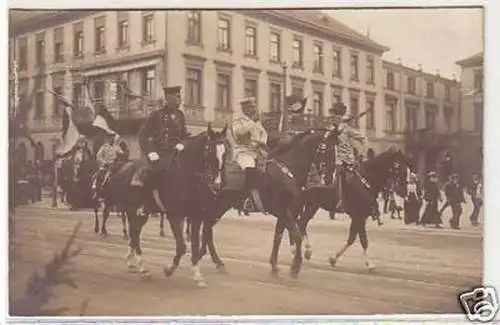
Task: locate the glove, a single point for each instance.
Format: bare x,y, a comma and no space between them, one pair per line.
179,147
153,156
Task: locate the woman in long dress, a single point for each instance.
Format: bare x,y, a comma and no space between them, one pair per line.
413,201
432,196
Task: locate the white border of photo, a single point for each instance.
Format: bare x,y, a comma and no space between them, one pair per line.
491,224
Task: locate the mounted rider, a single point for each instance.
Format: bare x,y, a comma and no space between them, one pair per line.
161,137
108,158
79,154
350,141
249,143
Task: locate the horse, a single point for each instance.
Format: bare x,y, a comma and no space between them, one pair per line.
177,184
286,170
76,182
375,173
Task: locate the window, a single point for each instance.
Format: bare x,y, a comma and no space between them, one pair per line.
98,93
194,28
390,116
448,114
447,93
370,70
412,85
251,41
430,89
478,117
39,152
274,50
100,46
123,34
39,97
478,80
318,103
251,88
40,51
390,80
193,91
411,118
370,114
298,91
148,28
57,105
430,118
148,82
337,63
78,44
223,92
23,54
59,45
223,34
354,108
275,97
297,53
318,58
77,95
354,67
337,95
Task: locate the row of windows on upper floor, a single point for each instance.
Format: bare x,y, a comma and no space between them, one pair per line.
194,37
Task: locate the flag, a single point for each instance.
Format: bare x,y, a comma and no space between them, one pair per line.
17,121
88,101
70,133
105,121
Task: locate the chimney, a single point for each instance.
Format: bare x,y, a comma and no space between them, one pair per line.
454,77
438,73
420,67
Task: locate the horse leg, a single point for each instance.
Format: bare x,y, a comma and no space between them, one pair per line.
306,216
105,216
353,232
180,245
96,222
208,240
195,254
293,229
140,221
124,225
278,234
131,254
162,224
363,238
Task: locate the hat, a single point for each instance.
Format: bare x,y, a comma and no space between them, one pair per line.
174,90
338,109
431,174
250,101
454,175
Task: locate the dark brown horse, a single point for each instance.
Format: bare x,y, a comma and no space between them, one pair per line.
359,198
281,188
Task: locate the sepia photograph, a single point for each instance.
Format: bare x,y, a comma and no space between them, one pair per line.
324,161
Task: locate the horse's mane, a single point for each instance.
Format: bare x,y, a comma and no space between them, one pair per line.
289,144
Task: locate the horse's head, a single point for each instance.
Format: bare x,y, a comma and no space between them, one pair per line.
216,149
392,167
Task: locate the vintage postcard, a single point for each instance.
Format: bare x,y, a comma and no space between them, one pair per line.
314,161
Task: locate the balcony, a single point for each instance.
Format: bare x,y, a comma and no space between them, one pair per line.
46,124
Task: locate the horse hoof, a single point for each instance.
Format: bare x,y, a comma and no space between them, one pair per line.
104,234
275,272
201,284
307,255
294,272
132,269
167,271
145,275
162,233
96,230
222,269
371,267
332,261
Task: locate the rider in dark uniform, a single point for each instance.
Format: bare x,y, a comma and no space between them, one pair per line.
161,136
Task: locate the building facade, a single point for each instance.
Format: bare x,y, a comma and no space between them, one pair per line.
218,57
421,113
469,141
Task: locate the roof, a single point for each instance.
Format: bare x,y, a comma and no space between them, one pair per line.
21,16
327,23
476,59
400,66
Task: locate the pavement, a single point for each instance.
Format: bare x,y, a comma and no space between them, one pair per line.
419,270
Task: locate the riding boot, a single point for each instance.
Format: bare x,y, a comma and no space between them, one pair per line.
252,185
159,203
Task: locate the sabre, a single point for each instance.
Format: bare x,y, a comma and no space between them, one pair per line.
16,85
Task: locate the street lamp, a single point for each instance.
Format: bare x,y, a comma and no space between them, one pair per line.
284,66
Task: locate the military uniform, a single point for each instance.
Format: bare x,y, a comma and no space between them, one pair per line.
350,141
249,141
161,136
107,158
